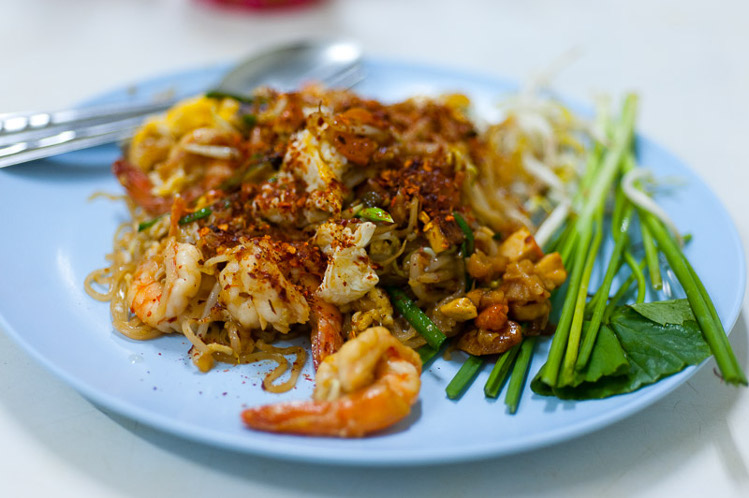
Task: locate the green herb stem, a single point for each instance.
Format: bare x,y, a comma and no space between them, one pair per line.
500,371
559,240
468,245
467,233
591,305
464,378
620,294
416,317
705,313
574,253
427,353
561,335
573,342
611,162
651,258
638,274
651,251
148,224
197,215
620,236
519,373
566,246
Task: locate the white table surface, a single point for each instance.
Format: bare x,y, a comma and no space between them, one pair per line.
687,59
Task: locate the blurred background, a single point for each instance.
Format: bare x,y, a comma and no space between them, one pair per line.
687,59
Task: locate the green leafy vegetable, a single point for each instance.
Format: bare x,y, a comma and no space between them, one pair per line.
677,312
416,317
699,300
608,358
657,339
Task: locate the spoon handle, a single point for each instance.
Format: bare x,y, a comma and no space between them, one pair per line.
36,135
13,125
68,140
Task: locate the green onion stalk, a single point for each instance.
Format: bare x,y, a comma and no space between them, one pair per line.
578,252
654,230
188,218
465,377
621,221
500,372
519,374
699,300
417,318
468,245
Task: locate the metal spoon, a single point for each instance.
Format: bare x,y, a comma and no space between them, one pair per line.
34,135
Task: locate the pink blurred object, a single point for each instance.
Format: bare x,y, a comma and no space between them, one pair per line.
261,4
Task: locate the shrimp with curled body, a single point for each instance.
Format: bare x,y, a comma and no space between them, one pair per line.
368,385
158,297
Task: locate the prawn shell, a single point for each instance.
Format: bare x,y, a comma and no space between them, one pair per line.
359,414
368,385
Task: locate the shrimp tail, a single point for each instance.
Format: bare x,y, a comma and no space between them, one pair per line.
326,336
359,414
366,386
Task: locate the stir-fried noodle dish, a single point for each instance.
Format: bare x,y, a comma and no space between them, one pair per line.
355,223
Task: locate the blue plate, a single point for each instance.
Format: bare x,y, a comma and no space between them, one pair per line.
53,236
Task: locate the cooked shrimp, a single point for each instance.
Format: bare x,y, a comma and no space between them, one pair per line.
326,337
256,293
139,187
368,385
319,165
326,322
349,274
158,298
